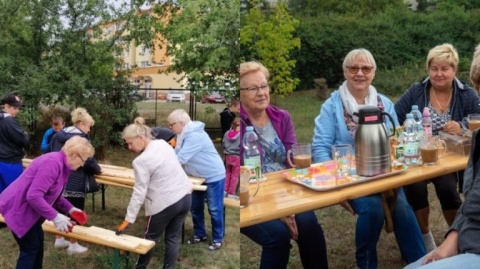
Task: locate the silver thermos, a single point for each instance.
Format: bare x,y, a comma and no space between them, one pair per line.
372,143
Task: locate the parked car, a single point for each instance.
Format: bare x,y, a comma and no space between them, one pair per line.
213,98
175,96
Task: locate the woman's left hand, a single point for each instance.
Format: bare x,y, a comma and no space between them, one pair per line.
453,127
292,226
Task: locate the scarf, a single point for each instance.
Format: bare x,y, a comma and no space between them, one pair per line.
350,104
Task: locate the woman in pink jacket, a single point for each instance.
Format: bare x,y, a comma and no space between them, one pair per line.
35,195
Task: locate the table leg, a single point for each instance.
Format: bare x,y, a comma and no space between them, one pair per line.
116,259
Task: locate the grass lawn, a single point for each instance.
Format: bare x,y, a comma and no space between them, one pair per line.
337,223
191,256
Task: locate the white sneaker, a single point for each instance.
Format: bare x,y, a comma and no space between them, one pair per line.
61,243
76,249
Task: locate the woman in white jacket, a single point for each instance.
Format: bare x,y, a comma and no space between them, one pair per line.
164,188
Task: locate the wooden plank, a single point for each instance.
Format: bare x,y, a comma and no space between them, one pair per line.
102,237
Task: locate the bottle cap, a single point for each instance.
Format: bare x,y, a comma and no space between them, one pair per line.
249,129
426,112
409,116
414,107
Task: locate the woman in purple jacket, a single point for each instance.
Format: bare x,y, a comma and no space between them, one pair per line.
274,127
36,194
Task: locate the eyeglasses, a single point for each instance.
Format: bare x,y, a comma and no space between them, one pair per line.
255,89
81,158
171,124
365,69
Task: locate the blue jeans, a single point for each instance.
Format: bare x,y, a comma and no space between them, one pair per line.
8,173
31,247
464,261
274,237
214,195
369,226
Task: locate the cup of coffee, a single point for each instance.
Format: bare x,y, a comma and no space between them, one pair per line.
429,150
302,156
342,155
473,121
245,176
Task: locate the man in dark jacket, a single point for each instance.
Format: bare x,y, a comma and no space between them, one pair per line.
13,140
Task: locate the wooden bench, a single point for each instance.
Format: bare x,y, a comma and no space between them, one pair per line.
103,237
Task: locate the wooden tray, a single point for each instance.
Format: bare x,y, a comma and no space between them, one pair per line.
322,178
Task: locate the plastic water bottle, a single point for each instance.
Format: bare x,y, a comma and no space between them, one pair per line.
417,117
427,123
410,141
251,155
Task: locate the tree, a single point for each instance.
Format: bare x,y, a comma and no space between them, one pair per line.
202,36
55,56
270,39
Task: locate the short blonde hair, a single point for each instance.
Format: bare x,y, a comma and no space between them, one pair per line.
137,128
179,115
475,69
362,54
80,114
78,145
252,66
445,53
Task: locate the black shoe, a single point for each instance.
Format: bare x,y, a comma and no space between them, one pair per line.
195,240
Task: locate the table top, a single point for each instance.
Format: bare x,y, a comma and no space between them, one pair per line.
125,177
277,197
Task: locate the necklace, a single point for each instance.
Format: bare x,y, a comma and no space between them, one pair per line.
448,102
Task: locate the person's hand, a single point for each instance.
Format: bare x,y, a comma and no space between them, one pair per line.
78,215
453,127
122,227
447,249
62,223
292,226
348,207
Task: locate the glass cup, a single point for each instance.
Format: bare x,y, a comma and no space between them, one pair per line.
429,147
245,176
302,156
342,157
473,121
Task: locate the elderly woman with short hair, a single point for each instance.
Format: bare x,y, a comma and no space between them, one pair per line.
449,101
196,152
336,124
475,69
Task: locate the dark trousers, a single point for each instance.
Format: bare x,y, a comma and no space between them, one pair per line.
31,247
170,221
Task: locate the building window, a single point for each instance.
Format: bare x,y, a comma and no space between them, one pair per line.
144,63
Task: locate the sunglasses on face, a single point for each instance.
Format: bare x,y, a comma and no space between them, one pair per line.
365,69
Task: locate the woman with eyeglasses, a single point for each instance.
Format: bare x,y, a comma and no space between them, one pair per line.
274,128
75,190
449,101
336,124
37,195
475,69
196,152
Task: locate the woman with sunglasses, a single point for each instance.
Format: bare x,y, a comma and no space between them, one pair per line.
75,190
336,124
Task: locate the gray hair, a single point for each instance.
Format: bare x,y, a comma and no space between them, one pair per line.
475,69
179,115
362,54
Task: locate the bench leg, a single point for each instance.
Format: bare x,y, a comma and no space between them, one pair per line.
93,202
116,259
102,187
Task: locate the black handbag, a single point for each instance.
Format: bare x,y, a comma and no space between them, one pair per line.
91,184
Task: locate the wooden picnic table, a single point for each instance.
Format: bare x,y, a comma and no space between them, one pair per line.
277,197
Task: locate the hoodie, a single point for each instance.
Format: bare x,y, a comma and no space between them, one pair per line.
195,150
